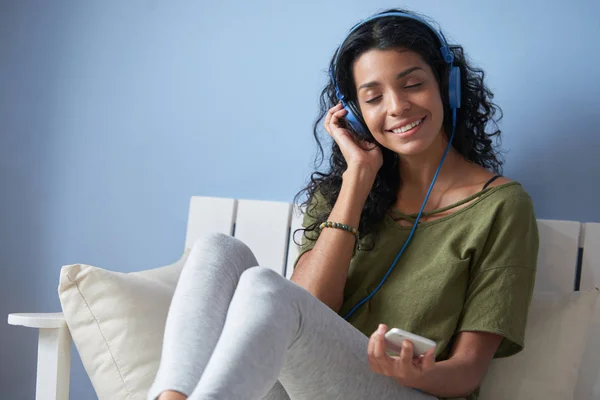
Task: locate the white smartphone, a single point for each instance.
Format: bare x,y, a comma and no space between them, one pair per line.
394,338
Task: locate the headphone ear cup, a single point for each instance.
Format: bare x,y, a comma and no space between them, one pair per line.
355,120
454,87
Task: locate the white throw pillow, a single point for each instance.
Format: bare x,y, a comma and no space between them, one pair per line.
555,341
117,323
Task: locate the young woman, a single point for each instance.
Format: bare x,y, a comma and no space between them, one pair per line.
411,227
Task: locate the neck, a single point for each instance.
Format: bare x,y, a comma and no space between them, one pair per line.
416,172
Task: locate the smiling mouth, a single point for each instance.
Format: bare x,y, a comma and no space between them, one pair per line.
407,127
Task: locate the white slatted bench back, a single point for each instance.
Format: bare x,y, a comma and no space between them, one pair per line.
293,249
588,384
267,227
208,215
557,257
264,227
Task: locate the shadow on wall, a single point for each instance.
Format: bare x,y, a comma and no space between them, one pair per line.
21,219
29,68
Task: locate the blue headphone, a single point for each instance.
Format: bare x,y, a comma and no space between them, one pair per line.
353,116
355,121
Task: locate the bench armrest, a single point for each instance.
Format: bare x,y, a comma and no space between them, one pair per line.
54,353
44,320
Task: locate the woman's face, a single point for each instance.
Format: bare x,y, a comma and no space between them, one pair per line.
400,100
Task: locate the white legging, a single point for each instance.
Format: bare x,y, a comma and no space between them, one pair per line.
236,331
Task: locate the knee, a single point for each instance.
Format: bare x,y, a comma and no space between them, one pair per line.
226,248
276,299
212,240
260,281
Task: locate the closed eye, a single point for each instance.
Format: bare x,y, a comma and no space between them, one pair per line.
374,99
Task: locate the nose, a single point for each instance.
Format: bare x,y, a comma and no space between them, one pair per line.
398,104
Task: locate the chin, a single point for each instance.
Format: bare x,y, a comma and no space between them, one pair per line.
410,152
412,148
417,145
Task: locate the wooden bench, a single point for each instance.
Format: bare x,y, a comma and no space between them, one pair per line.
569,258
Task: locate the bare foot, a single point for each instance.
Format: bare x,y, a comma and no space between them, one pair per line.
171,395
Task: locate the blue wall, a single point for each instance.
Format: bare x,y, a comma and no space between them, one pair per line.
112,114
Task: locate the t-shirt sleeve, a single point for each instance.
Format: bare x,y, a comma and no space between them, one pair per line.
503,276
317,207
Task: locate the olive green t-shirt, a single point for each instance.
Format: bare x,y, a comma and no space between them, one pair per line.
472,270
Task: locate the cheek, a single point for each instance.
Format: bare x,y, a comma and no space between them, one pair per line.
437,106
432,103
440,107
374,120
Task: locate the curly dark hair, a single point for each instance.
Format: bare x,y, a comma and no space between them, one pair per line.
477,113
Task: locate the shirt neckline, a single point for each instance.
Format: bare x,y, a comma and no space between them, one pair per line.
478,196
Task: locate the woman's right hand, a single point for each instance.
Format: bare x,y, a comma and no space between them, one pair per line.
358,155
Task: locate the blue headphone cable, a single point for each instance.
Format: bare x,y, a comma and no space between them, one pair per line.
363,301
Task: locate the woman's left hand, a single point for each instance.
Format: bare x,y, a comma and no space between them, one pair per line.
406,368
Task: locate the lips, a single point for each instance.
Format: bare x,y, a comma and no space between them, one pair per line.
405,124
413,127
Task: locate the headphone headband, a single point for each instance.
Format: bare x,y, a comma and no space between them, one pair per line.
454,93
445,49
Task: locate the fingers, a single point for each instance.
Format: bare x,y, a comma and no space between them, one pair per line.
374,350
407,354
379,346
381,359
370,351
335,117
428,359
328,115
332,119
331,111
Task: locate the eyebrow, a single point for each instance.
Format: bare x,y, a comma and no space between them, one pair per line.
399,76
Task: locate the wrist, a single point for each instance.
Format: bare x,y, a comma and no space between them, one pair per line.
418,381
359,181
407,382
356,185
359,173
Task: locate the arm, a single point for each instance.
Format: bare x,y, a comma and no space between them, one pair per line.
322,271
464,371
458,376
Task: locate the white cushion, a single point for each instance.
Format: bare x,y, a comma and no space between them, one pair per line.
555,341
117,323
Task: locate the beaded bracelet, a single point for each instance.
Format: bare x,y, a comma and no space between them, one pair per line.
329,224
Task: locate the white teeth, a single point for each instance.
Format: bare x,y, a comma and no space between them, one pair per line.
408,127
